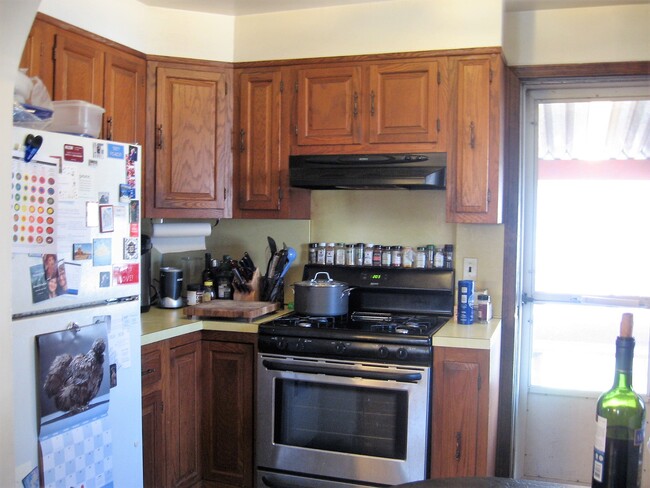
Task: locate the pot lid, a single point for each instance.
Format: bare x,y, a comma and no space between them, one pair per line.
322,280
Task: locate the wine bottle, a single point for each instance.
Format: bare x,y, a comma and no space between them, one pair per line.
206,274
620,422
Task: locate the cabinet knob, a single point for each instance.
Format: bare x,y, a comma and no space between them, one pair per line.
355,106
458,446
109,128
242,140
372,103
159,137
472,135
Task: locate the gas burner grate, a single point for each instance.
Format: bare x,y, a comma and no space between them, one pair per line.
310,322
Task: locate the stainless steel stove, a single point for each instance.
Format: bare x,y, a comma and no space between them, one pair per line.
344,401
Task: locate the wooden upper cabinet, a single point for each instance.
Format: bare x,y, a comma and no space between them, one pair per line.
124,97
259,141
38,54
78,69
405,103
475,161
193,162
328,106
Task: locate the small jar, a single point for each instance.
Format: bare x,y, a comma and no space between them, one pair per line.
386,257
313,250
421,257
367,254
396,256
449,256
329,253
439,258
376,256
339,254
431,255
193,295
349,255
359,251
320,253
408,256
208,291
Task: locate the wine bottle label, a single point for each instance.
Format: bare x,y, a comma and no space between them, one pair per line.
599,448
639,435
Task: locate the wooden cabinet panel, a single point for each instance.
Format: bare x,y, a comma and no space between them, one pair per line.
124,97
153,441
183,416
79,69
38,55
259,144
328,106
192,165
228,413
475,162
404,102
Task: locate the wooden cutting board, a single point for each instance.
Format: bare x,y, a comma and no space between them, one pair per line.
230,309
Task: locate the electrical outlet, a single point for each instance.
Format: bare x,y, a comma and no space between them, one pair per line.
470,268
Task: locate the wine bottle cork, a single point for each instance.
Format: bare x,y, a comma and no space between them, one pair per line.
627,324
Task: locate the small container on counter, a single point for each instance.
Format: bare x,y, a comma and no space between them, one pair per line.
349,255
367,254
449,256
396,254
431,256
421,257
466,302
483,307
194,294
339,254
439,258
359,253
208,292
376,256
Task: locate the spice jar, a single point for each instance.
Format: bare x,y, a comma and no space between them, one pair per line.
329,253
386,257
349,255
376,256
339,254
421,257
396,256
313,250
367,254
408,256
359,251
449,256
431,256
320,253
439,258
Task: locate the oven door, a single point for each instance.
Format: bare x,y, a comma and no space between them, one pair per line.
354,422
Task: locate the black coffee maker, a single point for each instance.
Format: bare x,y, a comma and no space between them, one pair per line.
145,273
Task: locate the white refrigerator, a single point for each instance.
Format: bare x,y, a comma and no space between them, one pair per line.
75,206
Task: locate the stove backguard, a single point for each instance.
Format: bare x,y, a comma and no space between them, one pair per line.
394,290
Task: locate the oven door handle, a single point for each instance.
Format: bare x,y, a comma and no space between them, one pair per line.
275,484
370,375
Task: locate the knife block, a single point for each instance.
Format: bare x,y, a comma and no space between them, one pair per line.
254,285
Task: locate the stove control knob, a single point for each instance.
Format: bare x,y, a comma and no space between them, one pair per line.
300,345
402,353
382,352
339,347
281,344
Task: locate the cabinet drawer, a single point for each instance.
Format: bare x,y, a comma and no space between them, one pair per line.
151,367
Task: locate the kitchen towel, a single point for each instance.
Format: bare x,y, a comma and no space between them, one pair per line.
185,237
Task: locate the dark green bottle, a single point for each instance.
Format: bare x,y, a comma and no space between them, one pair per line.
620,422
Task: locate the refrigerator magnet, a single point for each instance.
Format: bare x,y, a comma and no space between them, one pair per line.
106,219
131,248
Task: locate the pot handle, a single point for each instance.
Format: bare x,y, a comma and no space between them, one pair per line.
346,291
315,278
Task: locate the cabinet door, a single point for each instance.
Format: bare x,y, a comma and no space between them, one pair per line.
329,106
475,165
38,55
153,441
192,163
124,97
228,413
405,105
460,413
183,416
79,69
259,141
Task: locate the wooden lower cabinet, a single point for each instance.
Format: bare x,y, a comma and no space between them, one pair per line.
464,414
227,396
197,411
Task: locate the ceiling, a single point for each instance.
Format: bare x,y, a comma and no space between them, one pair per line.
246,7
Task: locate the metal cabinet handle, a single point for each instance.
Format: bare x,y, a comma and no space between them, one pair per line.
148,371
472,135
159,136
372,103
355,110
458,446
242,142
109,129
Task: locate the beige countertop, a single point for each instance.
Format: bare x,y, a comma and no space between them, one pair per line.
159,324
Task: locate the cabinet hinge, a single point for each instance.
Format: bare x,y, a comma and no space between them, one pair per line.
491,75
295,87
225,193
226,87
162,406
489,196
439,78
280,196
281,86
54,53
438,125
295,129
480,381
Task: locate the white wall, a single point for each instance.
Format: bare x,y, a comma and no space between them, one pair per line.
16,18
386,27
578,35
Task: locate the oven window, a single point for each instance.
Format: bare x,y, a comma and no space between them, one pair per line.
345,419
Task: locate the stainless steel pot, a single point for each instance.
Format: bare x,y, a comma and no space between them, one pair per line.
321,296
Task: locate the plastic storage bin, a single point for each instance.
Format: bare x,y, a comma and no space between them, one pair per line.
77,117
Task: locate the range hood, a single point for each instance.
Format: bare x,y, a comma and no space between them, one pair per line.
422,171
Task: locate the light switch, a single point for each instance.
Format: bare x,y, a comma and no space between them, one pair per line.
470,268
